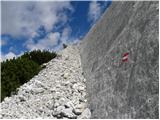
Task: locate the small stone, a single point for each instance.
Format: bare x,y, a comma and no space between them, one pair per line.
60,108
69,105
28,88
65,75
67,57
58,86
74,86
78,87
86,114
6,99
68,113
85,100
81,99
21,98
75,101
59,116
56,104
62,100
80,106
53,89
77,111
43,66
66,83
41,110
37,90
81,88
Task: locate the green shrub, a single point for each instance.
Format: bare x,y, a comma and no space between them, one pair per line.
39,56
16,72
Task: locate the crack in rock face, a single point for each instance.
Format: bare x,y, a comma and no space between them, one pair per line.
58,91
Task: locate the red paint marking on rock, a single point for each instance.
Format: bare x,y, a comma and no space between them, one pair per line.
125,57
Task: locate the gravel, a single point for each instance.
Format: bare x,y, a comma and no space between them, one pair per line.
58,91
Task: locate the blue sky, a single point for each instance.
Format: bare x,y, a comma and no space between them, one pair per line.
46,25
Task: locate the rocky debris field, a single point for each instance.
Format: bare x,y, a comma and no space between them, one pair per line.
58,91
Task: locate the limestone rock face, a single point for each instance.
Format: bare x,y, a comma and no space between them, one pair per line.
51,94
116,88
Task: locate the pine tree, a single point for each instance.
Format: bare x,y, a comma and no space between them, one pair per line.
17,71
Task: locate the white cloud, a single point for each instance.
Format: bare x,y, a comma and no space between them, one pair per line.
46,43
51,40
66,34
94,11
76,41
9,55
24,18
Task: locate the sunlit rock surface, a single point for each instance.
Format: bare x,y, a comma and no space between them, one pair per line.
115,89
123,89
58,91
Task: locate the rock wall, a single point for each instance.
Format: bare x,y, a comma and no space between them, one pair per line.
128,89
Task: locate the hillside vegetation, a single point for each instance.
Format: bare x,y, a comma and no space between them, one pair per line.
17,71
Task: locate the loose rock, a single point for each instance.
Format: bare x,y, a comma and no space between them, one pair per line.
68,113
85,115
58,91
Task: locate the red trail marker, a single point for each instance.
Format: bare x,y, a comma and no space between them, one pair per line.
125,57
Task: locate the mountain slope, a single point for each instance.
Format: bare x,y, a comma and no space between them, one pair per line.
58,91
120,88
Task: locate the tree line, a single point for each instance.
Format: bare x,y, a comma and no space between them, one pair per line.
17,71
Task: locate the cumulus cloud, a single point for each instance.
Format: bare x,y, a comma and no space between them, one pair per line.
47,43
66,34
94,11
9,55
51,40
24,18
